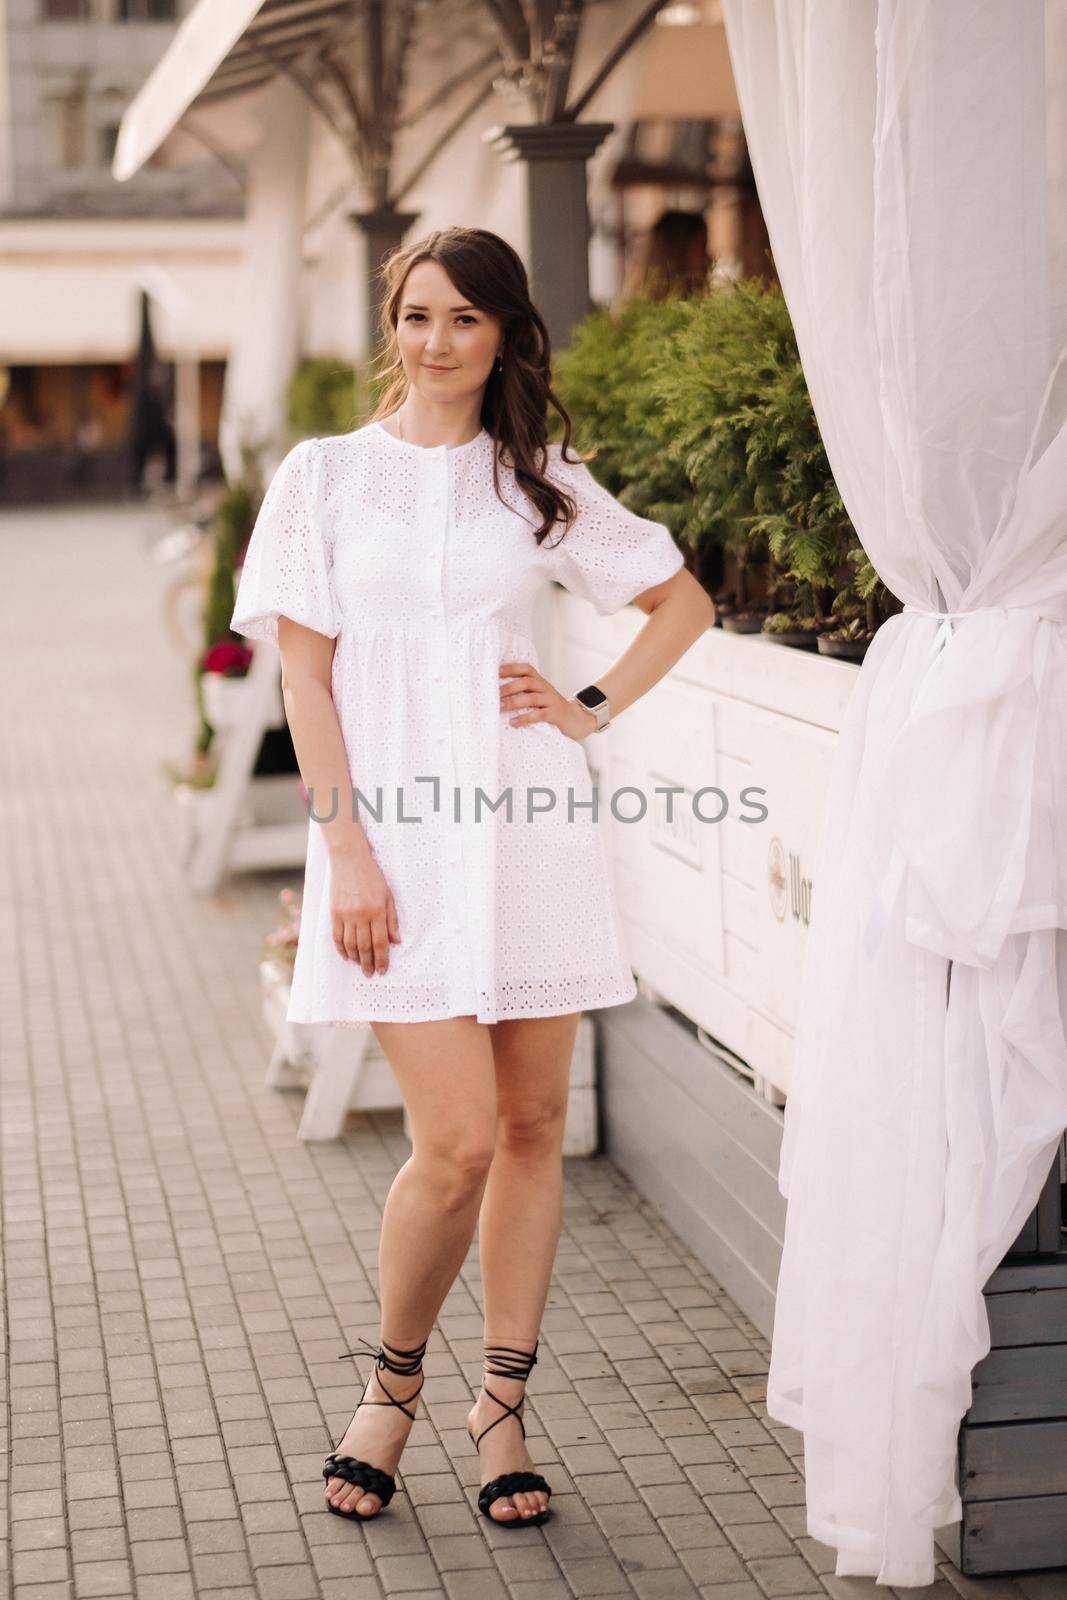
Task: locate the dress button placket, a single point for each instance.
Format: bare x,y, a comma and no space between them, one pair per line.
462,984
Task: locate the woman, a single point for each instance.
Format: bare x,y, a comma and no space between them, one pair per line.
396,568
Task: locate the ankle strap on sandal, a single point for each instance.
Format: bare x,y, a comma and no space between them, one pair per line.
409,1363
506,1362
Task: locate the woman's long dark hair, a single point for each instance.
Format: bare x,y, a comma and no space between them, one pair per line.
490,275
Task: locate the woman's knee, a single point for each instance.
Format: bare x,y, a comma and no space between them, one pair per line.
457,1167
532,1128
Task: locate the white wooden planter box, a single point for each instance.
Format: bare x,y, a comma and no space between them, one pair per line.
242,822
344,1069
715,913
230,701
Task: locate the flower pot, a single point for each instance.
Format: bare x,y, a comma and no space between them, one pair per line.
225,699
844,649
795,638
744,622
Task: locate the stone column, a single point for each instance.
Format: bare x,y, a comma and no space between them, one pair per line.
382,231
557,207
266,341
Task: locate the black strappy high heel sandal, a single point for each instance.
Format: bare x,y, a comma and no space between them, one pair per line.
361,1474
509,1363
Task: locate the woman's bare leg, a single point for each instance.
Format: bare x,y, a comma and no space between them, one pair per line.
446,1075
519,1222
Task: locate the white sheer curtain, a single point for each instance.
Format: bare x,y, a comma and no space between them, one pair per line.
910,158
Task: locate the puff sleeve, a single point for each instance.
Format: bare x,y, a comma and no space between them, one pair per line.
609,554
287,568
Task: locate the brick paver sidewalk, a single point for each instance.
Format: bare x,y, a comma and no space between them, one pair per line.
181,1272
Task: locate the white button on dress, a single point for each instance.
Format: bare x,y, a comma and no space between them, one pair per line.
427,580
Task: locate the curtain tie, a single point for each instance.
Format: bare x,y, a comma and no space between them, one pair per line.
1048,610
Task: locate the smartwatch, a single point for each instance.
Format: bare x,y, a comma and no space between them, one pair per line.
595,700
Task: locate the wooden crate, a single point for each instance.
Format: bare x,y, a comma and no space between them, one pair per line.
1013,1440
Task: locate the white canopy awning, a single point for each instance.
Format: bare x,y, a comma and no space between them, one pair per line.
223,48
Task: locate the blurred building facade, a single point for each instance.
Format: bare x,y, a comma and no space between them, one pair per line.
244,215
77,248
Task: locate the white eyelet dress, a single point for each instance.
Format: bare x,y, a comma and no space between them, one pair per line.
406,556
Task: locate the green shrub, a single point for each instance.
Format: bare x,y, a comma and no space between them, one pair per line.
701,416
323,397
234,517
602,378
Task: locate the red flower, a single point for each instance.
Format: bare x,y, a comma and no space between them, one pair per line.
227,657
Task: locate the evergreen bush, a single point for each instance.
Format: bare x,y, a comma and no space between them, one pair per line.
701,418
323,397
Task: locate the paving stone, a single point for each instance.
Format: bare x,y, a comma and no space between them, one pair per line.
287,1583
664,1585
540,1589
160,1522
654,1469
475,1585
276,1549
780,1489
640,1552
454,1552
711,1564
402,1572
715,1477
160,1555
44,1533
627,1517
820,1557
213,1570
102,1578
751,1539
606,1488
529,1564
672,1499
747,1589
40,1566
741,1506
582,1540
782,1575
596,1576
356,1589
42,1591
341,1560
692,1531
794,1519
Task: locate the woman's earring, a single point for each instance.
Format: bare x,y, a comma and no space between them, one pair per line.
500,363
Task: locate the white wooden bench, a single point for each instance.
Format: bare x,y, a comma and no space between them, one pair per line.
344,1069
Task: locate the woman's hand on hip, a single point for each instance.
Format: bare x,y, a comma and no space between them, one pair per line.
531,698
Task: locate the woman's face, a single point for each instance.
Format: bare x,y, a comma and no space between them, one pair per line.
448,346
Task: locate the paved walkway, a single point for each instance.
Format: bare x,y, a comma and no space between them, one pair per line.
181,1271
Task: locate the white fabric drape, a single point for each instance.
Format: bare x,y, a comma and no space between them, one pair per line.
909,156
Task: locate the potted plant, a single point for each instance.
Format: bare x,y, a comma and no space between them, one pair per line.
224,668
860,608
800,631
849,641
702,419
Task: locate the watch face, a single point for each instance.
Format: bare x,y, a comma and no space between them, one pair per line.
591,697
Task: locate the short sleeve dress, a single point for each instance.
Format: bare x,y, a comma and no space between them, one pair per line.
484,830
